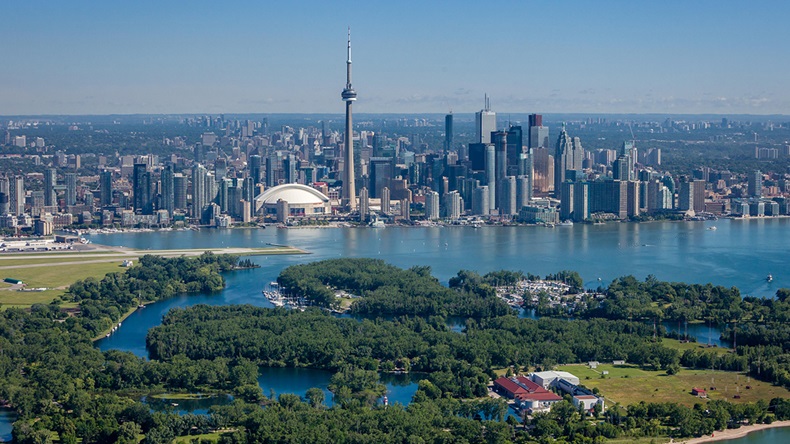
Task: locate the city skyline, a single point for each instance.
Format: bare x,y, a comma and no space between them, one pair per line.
570,57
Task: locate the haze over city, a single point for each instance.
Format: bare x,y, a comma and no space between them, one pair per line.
671,57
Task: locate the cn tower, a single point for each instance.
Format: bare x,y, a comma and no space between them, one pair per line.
349,96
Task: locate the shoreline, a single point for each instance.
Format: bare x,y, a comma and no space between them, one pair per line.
728,434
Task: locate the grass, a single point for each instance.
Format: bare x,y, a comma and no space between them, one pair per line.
683,346
207,436
49,277
60,275
631,384
60,258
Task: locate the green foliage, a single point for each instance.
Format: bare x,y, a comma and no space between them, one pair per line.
386,290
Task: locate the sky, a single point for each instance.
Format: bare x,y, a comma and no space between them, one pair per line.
409,56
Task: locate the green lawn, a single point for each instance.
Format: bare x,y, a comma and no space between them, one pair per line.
188,439
630,384
49,277
683,346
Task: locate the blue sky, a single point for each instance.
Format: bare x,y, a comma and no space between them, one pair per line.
675,57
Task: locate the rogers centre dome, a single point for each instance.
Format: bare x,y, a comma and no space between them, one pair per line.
302,200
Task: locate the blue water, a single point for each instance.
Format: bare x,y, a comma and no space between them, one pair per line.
777,435
275,381
7,418
184,406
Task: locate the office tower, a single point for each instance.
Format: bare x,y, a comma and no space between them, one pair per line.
515,147
432,205
199,190
485,123
50,181
168,196
364,204
5,206
349,96
179,191
385,200
221,167
620,168
500,142
71,188
105,188
491,175
567,157
477,156
382,171
290,162
139,185
507,196
248,189
538,134
480,205
221,199
448,132
560,162
16,195
526,168
755,183
574,201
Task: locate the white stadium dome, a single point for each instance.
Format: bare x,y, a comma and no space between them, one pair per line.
302,200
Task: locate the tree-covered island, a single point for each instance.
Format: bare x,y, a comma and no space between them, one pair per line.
64,389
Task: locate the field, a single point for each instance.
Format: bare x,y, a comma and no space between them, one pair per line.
630,384
56,270
683,346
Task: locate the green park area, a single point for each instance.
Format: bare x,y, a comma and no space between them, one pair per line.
630,384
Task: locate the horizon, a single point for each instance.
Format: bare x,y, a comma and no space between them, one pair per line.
610,57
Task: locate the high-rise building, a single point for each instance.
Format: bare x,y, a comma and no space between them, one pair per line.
255,168
507,195
50,182
382,171
105,188
480,205
568,156
16,194
755,184
364,205
200,192
490,175
71,188
452,206
385,200
432,205
168,196
179,191
515,146
349,96
538,134
485,123
448,132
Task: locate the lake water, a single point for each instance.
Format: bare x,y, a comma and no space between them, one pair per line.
7,418
198,406
768,436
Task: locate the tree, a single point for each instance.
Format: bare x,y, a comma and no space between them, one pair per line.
315,396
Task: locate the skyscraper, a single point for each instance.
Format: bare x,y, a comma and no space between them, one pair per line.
168,197
71,188
755,184
432,205
199,190
16,193
448,132
349,96
50,181
567,157
105,188
538,134
485,123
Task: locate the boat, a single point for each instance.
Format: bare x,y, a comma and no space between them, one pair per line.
566,223
769,278
713,228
